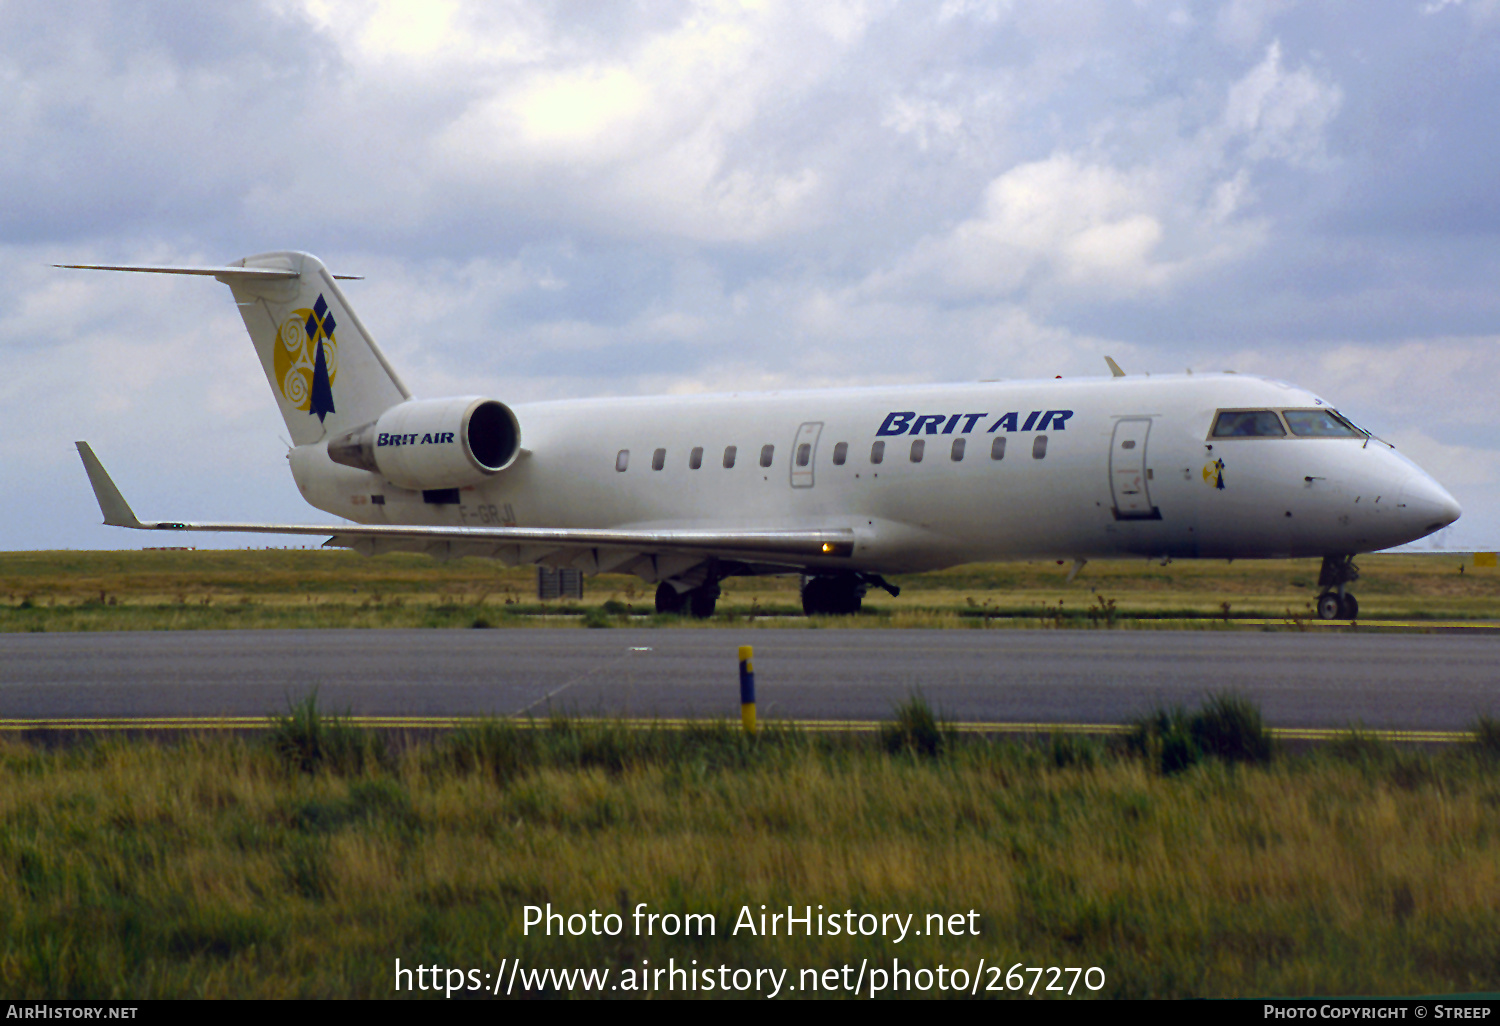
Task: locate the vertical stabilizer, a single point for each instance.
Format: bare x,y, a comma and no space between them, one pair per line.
326,373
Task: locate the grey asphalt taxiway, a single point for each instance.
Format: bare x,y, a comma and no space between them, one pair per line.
1327,680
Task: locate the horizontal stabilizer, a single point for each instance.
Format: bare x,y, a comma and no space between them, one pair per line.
227,274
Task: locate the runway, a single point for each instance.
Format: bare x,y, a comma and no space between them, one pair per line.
1438,682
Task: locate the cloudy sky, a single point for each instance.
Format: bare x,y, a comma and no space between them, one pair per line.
571,198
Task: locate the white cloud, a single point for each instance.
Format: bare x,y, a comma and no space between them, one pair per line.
647,136
1418,382
1082,221
1281,115
1243,23
1460,468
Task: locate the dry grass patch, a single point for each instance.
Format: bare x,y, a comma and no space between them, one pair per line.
223,866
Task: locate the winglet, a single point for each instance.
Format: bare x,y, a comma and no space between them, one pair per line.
1114,368
112,504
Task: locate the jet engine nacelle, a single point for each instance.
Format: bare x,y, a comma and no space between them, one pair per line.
434,443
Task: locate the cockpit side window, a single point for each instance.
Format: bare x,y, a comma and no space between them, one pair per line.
1320,424
1248,424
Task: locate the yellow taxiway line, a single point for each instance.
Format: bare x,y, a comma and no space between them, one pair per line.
820,726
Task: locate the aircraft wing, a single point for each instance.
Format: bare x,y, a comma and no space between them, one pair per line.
595,550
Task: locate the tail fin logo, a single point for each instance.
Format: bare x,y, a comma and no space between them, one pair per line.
307,359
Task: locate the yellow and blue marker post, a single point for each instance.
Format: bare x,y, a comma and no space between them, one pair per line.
747,689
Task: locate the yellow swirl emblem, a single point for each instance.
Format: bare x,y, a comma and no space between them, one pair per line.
296,357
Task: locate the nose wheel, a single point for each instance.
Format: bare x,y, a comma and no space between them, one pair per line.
1336,602
1333,606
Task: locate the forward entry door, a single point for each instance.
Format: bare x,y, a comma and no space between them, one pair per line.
1129,478
804,453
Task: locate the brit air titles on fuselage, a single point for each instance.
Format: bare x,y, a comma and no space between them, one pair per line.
909,422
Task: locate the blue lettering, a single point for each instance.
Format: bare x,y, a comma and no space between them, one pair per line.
1057,418
1031,419
447,436
952,423
1008,422
895,423
382,440
427,439
970,419
930,421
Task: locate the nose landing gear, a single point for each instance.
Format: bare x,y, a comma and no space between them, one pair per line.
1336,602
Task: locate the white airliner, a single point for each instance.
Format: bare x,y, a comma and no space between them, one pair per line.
840,485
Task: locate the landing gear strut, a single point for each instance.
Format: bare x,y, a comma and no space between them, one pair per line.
1336,602
698,602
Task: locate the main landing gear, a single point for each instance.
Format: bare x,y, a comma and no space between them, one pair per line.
841,594
1335,602
698,603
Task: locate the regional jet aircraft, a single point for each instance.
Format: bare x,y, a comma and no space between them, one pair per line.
841,486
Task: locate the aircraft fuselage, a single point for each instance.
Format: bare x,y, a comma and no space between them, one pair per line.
937,475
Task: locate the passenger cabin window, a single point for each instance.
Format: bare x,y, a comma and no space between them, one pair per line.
729,451
1320,424
956,454
695,458
1039,448
658,459
1248,424
804,454
997,448
622,460
767,454
877,453
840,454
918,449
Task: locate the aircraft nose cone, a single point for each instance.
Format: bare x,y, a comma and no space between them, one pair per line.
1428,504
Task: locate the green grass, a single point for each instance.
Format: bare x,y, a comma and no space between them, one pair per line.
305,861
299,588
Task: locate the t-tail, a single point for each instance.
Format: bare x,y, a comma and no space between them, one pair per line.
334,385
327,374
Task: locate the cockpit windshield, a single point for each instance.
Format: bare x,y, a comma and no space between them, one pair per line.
1248,424
1322,423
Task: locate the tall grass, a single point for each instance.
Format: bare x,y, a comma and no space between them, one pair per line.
1227,728
218,866
1487,735
307,739
914,729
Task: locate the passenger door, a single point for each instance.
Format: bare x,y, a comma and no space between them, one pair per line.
804,454
1129,479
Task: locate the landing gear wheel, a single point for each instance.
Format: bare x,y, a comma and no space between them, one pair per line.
701,601
1329,607
668,599
1350,607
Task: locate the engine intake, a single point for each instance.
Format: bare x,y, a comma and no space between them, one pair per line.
423,444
